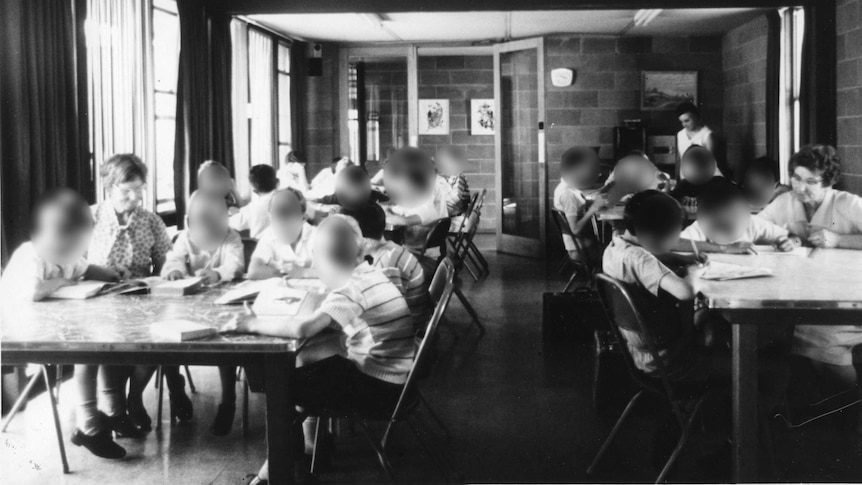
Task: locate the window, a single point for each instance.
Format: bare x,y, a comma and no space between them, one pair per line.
284,125
165,61
792,31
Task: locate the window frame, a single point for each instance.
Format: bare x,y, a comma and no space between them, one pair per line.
790,85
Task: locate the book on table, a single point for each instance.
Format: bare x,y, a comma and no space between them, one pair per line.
154,285
81,291
719,271
279,302
181,330
181,287
248,290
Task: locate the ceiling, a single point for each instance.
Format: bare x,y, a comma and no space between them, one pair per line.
420,27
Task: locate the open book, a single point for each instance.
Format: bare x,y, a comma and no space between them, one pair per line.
81,291
279,302
153,284
718,271
181,330
248,291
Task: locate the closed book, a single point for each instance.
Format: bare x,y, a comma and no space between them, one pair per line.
80,291
177,288
181,330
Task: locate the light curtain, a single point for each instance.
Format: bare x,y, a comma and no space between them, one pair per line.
261,75
239,102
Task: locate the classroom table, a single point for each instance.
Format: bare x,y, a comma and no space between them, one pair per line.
115,330
822,289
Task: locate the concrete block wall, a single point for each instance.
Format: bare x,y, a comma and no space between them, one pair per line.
744,73
320,107
849,86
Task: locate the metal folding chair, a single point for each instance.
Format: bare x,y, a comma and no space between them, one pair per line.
623,312
460,255
405,409
579,266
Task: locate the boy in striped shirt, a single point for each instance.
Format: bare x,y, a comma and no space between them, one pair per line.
450,167
365,305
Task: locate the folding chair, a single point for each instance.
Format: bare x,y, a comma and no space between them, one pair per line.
404,412
579,266
436,238
25,395
622,312
460,254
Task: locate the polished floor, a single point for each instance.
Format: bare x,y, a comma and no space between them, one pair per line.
518,412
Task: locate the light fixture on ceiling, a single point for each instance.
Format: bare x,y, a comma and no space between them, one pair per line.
646,15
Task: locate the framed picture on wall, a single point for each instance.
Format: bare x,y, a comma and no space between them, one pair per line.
482,117
433,116
664,90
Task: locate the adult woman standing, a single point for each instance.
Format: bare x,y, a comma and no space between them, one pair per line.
694,132
134,241
826,218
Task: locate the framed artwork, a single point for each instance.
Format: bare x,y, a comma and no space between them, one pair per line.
433,116
664,90
482,117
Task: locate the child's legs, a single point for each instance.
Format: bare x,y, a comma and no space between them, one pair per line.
227,375
141,376
320,347
112,381
87,416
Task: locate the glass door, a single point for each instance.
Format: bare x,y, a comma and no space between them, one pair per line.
521,180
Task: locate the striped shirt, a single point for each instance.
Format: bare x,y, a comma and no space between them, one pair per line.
458,197
391,256
370,310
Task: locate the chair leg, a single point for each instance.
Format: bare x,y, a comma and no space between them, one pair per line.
470,310
480,257
245,407
435,416
474,273
619,424
686,432
189,379
378,450
571,281
316,442
58,380
161,386
22,399
57,426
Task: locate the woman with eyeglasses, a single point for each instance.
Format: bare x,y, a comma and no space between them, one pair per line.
135,242
825,218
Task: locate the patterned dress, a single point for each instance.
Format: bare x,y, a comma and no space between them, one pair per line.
140,246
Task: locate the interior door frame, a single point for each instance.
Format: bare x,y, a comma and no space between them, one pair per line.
507,243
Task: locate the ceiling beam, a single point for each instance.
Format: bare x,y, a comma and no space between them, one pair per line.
250,7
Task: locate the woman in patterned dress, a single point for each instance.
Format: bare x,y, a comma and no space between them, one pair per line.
135,242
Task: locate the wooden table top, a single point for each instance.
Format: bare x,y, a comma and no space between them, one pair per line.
827,279
122,323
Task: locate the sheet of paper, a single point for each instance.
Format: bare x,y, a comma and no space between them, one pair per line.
279,302
81,291
719,271
800,251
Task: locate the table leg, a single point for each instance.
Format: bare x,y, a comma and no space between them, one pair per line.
279,417
745,427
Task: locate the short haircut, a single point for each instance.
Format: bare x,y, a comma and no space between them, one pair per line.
687,107
762,166
575,157
718,194
208,164
295,157
409,161
123,168
354,174
352,229
371,220
653,213
76,215
699,155
818,158
263,178
296,193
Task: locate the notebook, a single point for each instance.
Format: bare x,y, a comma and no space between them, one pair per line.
279,302
181,330
718,271
81,291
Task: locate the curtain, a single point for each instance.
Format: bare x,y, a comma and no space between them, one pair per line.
204,126
298,73
260,74
818,113
239,101
773,83
40,140
115,77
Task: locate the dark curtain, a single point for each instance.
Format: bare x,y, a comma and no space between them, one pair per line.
203,97
818,115
42,142
298,80
773,83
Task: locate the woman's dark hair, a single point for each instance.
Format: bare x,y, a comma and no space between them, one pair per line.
818,158
123,168
762,166
687,107
654,213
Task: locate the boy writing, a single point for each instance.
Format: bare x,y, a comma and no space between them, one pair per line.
761,184
579,170
254,217
697,169
285,246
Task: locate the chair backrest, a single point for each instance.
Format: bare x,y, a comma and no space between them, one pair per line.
623,312
562,223
480,201
436,238
248,247
444,277
462,243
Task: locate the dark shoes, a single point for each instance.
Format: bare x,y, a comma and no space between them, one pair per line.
223,421
100,444
139,416
123,426
181,405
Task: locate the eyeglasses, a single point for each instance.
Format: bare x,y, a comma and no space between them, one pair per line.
811,182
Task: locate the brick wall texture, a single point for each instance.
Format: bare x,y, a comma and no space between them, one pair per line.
320,106
849,85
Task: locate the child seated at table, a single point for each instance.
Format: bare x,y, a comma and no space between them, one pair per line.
761,183
579,171
292,171
215,178
352,190
725,225
60,231
284,248
390,256
697,170
633,173
365,305
450,162
254,217
323,183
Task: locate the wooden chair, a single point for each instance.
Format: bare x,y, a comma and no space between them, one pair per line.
623,312
404,412
580,266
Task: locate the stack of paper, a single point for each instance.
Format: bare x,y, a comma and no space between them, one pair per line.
718,271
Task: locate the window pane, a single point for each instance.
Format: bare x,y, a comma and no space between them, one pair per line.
283,58
165,50
166,105
283,150
284,108
165,159
169,5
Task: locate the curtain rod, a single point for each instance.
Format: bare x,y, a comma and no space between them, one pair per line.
270,30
